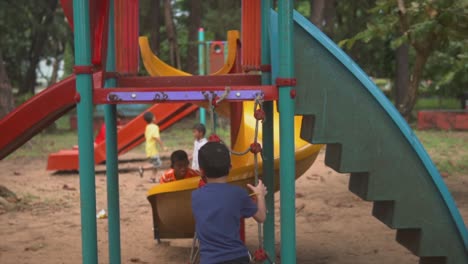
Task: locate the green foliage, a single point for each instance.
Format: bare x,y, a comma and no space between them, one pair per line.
22,26
374,54
448,69
219,16
433,27
22,98
68,60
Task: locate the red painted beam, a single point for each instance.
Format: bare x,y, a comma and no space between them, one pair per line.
191,81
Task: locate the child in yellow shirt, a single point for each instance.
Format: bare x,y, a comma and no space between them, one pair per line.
153,139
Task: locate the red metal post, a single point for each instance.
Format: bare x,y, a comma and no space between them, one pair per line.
251,35
126,37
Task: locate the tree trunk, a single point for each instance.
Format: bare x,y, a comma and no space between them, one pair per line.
171,35
194,25
59,51
6,95
28,84
410,99
155,15
317,10
402,77
38,39
55,68
329,17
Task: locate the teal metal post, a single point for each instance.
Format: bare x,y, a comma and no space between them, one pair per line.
112,165
84,87
286,109
268,144
201,67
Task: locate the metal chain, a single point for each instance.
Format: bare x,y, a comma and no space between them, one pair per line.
210,96
240,153
258,103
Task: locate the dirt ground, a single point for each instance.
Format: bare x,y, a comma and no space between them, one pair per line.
333,225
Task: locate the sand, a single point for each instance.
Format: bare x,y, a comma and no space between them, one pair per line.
333,225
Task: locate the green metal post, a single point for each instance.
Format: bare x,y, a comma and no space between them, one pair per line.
286,109
112,166
84,87
268,145
201,67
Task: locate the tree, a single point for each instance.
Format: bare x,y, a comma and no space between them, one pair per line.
219,16
29,31
43,20
193,26
427,26
6,94
155,8
447,70
152,19
402,77
174,55
322,14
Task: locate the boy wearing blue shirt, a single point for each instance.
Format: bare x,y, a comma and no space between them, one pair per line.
218,208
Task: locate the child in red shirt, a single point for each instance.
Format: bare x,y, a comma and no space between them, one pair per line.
101,135
179,168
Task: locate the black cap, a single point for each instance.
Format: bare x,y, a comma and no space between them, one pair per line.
214,159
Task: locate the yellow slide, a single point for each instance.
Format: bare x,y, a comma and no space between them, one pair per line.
170,202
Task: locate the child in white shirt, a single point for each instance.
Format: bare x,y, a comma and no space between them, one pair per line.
199,131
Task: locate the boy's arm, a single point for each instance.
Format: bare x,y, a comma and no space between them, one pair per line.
260,191
160,142
260,216
157,137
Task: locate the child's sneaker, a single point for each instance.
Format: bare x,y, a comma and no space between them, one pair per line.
140,171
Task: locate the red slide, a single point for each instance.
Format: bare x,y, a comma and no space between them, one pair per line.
37,113
44,108
128,137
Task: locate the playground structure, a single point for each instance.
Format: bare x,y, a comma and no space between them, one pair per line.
339,105
132,134
170,223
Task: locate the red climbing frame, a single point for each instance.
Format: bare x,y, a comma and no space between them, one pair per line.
99,14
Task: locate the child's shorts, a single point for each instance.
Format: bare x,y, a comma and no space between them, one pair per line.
155,161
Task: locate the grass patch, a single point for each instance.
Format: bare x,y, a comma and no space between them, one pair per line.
63,123
447,150
44,143
179,136
437,103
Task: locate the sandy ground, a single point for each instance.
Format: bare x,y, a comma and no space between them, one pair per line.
333,225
